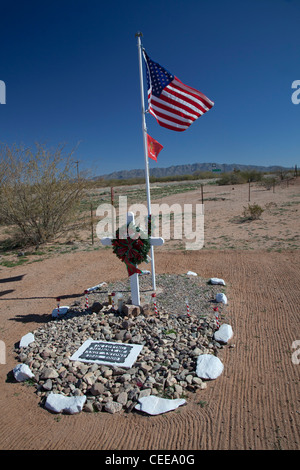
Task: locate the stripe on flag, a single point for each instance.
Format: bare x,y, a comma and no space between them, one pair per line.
173,104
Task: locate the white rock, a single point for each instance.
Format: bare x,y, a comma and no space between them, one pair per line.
22,372
221,298
61,311
209,366
98,286
216,280
155,405
26,340
59,403
191,273
106,241
223,334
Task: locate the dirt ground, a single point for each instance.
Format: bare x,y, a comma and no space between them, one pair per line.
254,404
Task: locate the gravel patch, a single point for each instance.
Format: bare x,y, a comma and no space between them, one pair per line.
172,340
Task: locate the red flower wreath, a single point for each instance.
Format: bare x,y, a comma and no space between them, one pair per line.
132,251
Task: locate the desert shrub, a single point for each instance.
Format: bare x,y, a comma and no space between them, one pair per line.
231,178
268,182
240,177
39,191
252,175
253,212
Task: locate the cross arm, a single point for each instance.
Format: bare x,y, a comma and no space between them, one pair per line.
155,241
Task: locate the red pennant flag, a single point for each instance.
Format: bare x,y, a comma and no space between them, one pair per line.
154,147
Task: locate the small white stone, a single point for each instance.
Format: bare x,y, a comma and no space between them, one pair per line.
59,403
223,334
155,405
26,340
209,366
59,312
191,273
22,372
221,298
98,286
216,280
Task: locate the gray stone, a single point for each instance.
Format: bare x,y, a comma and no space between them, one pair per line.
98,406
131,311
89,378
97,389
189,379
145,393
197,380
48,385
120,335
49,373
175,366
178,388
88,407
22,357
113,407
122,398
196,352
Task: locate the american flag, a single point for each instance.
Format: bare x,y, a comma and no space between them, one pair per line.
174,105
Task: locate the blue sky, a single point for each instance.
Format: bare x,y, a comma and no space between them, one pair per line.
71,74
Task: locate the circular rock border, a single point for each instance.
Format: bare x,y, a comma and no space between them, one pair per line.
166,366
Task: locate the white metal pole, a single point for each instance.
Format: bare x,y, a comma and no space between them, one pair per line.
144,128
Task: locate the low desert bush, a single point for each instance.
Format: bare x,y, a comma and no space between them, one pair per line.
268,182
252,212
240,177
39,191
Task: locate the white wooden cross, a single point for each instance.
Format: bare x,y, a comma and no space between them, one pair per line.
134,278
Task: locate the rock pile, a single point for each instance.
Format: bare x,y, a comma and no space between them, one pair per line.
166,366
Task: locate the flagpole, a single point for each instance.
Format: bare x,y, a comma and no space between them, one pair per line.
144,129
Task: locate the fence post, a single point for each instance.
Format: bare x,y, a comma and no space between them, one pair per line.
92,224
112,195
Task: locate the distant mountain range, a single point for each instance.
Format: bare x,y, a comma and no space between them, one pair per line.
186,170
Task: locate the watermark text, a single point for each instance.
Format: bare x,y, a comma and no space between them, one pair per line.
176,222
296,354
2,353
296,94
2,92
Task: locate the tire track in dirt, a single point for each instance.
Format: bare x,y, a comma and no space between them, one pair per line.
264,340
252,405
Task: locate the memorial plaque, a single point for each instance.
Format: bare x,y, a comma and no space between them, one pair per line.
107,353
